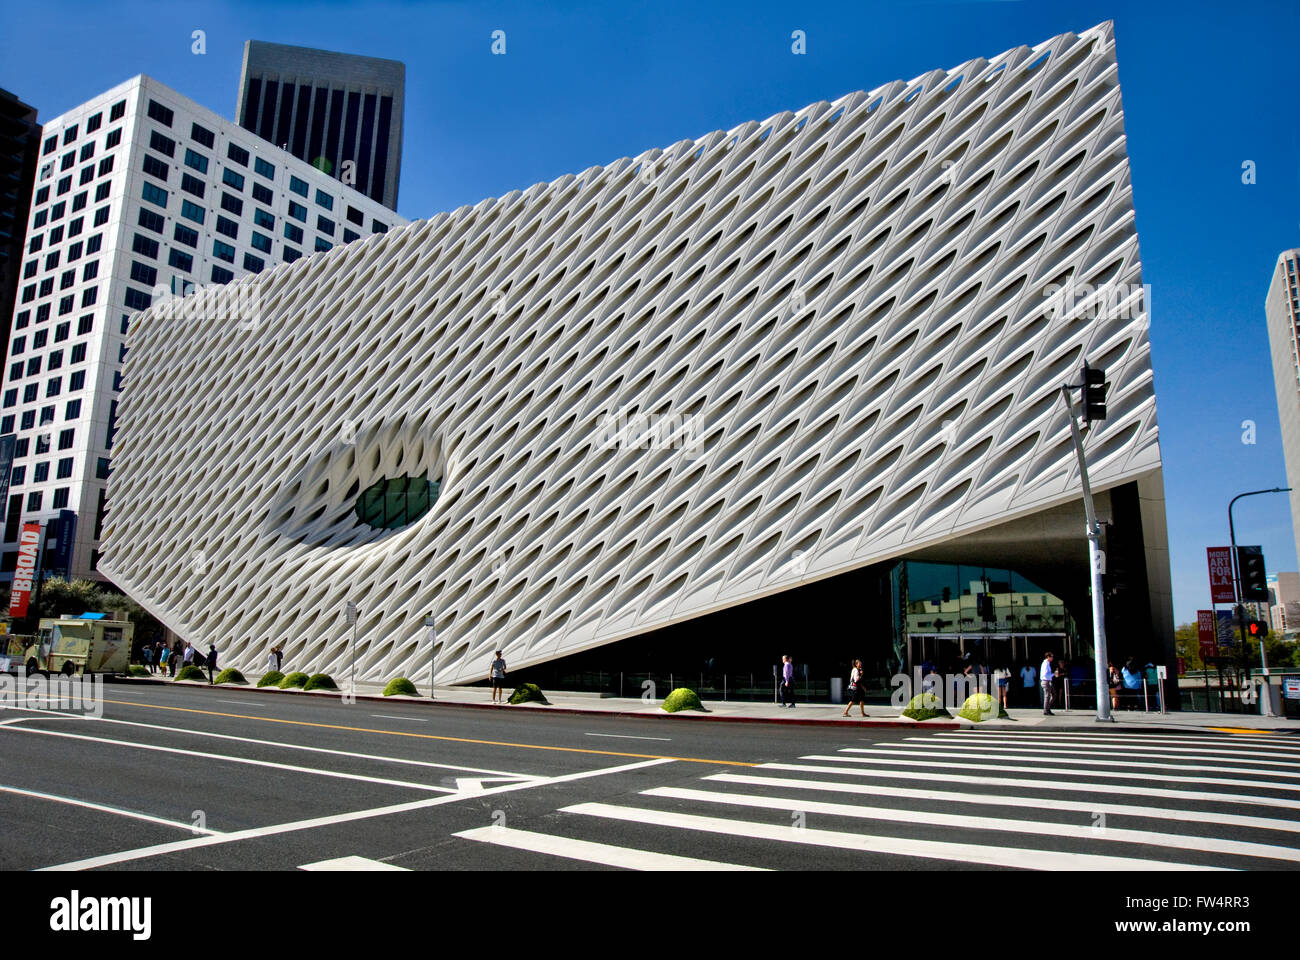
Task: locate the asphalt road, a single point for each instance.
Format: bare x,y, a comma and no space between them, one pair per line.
197,779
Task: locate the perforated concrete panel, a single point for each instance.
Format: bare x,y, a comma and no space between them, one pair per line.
651,390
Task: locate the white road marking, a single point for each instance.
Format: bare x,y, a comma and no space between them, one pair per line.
385,716
299,746
1070,787
889,756
351,863
245,703
1203,753
625,736
1039,828
292,768
1033,803
327,821
592,852
103,808
1278,743
997,855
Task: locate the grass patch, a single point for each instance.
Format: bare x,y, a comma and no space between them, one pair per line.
230,675
529,693
296,679
925,706
191,673
400,687
271,679
320,681
138,671
683,699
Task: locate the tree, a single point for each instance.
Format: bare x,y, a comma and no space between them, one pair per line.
1187,643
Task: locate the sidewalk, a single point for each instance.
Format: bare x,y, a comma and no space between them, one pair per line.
803,713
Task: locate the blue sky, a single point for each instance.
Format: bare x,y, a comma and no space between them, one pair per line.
1206,87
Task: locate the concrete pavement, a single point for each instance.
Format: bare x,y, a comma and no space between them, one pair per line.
805,713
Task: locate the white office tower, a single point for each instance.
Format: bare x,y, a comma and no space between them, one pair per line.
139,192
668,388
1282,314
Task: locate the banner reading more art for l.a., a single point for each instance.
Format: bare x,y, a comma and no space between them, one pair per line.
29,546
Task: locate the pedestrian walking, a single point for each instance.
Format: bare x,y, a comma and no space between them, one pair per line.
856,692
212,661
1047,677
1113,680
178,651
188,656
147,655
157,655
279,657
1028,681
163,657
270,659
787,681
1002,677
497,675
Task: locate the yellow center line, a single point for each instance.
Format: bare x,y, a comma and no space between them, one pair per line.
1262,733
431,736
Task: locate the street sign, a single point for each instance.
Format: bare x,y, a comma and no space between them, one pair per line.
1205,634
1291,688
1162,672
1220,560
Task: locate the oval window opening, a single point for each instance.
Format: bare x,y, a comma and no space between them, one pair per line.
397,502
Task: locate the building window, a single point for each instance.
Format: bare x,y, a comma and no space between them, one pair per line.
101,468
221,274
154,194
136,300
263,194
290,254
194,185
19,345
79,201
117,111
261,242
93,244
34,500
144,246
181,261
101,217
237,154
74,227
298,186
63,470
41,472
66,303
61,493
378,227
322,245
202,135
160,113
162,144
142,273
73,408
87,152
297,211
65,439
57,211
17,476
264,168
399,502
86,324
196,161
223,251
155,168
28,420
87,174
31,392
56,359
51,144
324,199
88,297
61,332
232,179
253,264
152,221
68,279
263,219
231,204
78,353
94,122
69,134
185,235
293,233
106,165
192,211
356,216
227,227
53,386
33,366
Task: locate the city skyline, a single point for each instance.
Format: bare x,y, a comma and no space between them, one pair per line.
1207,262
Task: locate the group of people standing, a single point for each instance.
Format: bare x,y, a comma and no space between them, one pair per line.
159,657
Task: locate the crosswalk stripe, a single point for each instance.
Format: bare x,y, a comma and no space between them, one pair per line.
1102,748
959,749
871,843
589,852
1262,743
1088,765
1072,787
353,863
965,821
1000,800
967,762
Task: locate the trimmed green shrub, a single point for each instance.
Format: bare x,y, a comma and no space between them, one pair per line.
191,673
139,671
529,693
295,679
320,681
925,706
981,706
271,679
683,699
230,675
400,687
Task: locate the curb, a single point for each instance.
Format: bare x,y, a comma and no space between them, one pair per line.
625,714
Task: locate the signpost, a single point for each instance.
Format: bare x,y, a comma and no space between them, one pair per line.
433,636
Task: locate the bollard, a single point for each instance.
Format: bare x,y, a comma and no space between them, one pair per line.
1146,703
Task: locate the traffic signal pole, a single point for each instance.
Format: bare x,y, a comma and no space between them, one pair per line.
1238,591
1094,563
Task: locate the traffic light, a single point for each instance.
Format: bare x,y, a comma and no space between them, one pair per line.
1254,580
1256,629
1094,394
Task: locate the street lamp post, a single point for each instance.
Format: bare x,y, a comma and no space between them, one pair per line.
1240,610
351,612
433,635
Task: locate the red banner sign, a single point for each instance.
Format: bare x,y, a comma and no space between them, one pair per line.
29,545
1205,634
1220,574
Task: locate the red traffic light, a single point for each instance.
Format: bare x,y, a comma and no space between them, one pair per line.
1257,628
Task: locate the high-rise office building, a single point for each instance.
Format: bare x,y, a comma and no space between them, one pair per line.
1282,312
140,192
19,142
340,112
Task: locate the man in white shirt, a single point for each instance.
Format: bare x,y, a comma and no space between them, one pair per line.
1046,674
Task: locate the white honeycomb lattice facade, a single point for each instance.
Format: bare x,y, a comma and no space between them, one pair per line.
846,306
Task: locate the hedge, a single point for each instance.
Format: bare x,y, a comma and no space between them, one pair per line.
320,681
230,675
925,706
400,687
683,699
191,673
529,693
271,679
296,679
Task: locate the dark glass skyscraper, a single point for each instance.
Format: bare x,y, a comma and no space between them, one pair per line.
20,137
339,112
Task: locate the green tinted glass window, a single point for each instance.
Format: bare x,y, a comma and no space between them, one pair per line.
396,502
